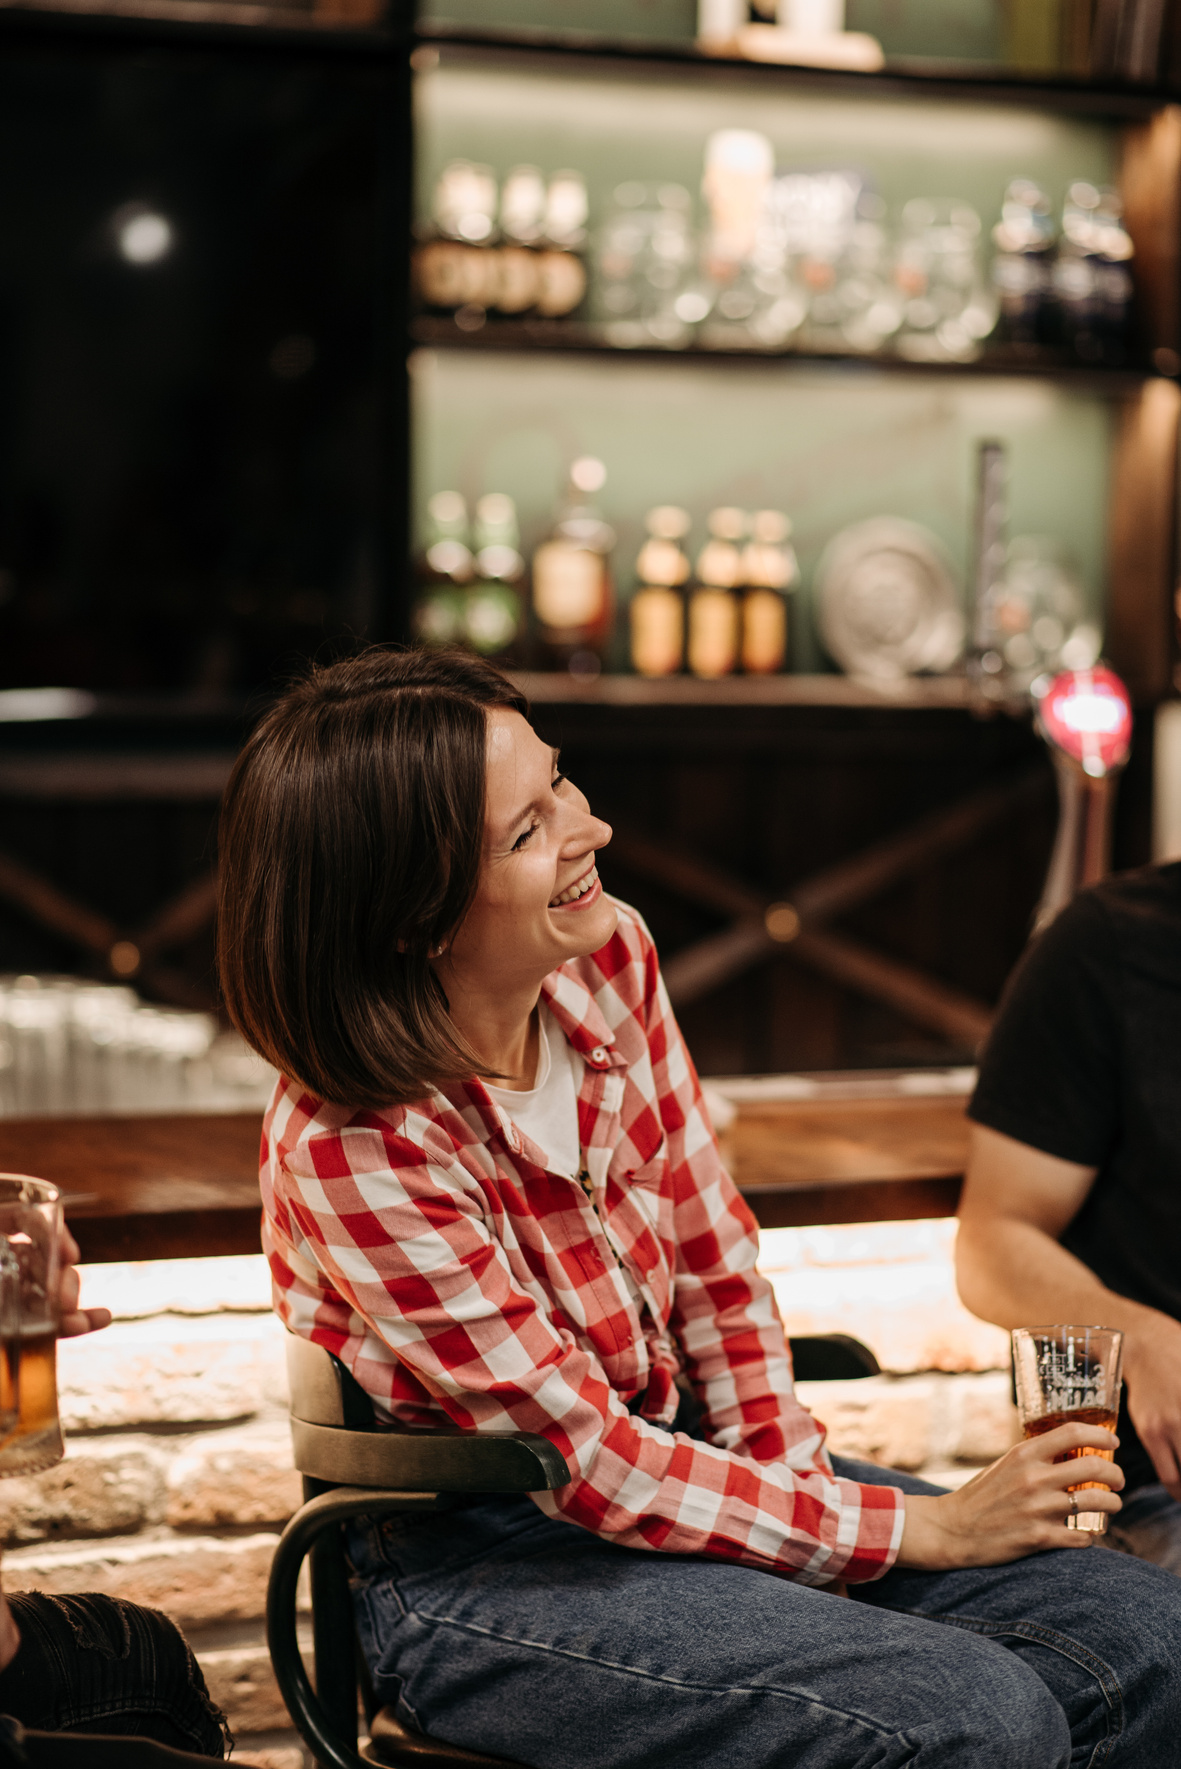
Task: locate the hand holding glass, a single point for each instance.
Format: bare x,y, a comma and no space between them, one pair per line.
1070,1375
31,1222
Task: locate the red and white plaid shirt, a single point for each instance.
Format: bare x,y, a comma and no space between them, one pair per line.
462,1282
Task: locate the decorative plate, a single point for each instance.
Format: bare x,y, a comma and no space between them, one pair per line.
887,603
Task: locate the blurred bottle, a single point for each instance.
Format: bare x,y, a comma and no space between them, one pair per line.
453,266
737,185
770,572
949,307
493,609
443,571
644,265
522,227
657,613
573,593
1024,238
1091,279
715,603
561,266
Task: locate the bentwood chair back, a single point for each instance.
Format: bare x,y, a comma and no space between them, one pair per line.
352,1467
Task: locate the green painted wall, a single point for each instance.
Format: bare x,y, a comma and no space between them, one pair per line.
831,446
631,125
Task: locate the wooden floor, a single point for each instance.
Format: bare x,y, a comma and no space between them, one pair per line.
170,1187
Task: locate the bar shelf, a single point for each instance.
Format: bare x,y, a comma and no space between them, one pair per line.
575,337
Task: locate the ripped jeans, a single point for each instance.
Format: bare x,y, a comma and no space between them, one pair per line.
95,1664
496,1628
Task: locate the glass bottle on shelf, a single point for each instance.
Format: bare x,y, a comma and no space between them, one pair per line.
1091,280
454,268
1024,238
493,606
561,267
769,572
443,572
573,593
522,228
714,603
657,611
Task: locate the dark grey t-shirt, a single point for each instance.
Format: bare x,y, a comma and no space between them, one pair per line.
1084,1062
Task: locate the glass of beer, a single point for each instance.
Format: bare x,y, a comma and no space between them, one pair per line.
31,1222
1070,1375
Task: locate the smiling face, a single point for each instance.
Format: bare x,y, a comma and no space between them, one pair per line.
539,900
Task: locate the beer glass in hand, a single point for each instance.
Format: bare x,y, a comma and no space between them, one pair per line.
31,1222
1066,1374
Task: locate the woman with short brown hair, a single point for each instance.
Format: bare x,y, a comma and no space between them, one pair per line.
490,1186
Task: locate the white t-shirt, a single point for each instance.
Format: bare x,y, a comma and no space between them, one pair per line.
548,1112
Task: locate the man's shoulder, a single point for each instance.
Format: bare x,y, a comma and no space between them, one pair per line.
1147,891
1141,910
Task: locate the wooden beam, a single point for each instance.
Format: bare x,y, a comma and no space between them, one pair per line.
42,902
717,958
909,991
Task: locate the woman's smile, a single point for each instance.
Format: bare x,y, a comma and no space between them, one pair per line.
582,893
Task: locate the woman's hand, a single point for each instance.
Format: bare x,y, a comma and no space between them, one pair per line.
75,1320
1018,1506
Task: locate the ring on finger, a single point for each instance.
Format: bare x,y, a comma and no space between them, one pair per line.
1073,1497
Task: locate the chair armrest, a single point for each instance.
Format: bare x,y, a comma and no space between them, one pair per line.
444,1461
326,1512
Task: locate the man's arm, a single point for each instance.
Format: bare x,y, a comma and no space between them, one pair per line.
1011,1269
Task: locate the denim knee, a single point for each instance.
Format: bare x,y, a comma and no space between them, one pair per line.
1001,1714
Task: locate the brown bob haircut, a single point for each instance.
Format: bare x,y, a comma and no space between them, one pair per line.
349,850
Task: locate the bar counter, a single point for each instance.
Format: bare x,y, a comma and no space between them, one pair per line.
852,1149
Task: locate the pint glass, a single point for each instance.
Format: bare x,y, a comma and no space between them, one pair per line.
1066,1374
31,1222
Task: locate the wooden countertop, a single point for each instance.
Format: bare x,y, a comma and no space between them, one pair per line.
848,1160
180,1186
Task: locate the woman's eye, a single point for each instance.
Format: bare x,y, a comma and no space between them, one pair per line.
524,837
558,780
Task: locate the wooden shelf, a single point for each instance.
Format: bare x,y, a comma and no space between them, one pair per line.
903,78
583,338
941,693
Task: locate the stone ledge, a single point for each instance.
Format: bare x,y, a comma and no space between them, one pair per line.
243,1685
909,1421
198,1580
104,1487
890,1284
171,1371
234,1476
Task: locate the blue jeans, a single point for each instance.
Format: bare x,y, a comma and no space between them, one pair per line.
499,1629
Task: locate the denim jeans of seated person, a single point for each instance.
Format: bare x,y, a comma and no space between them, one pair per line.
499,1629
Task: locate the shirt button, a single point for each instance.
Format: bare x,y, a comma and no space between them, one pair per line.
598,1054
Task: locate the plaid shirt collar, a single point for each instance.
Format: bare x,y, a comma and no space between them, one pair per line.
583,1023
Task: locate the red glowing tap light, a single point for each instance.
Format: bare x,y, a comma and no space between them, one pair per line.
1087,714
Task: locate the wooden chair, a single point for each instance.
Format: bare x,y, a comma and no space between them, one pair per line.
352,1468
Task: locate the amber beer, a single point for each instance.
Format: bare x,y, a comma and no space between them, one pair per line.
28,1382
1070,1376
31,1232
1079,1416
